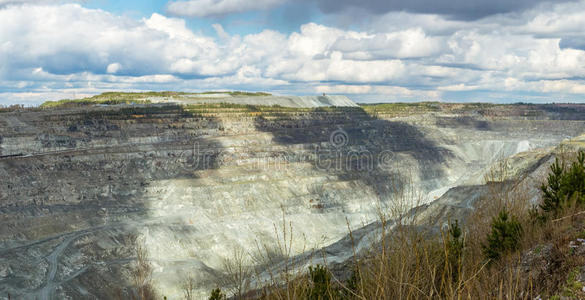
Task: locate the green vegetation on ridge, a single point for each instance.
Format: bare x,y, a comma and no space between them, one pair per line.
113,98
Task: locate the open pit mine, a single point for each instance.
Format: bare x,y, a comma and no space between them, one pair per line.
190,181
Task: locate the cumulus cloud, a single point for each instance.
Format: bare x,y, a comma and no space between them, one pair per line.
68,49
205,8
69,39
408,43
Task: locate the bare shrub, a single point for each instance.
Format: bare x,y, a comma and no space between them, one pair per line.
189,287
276,270
141,275
237,272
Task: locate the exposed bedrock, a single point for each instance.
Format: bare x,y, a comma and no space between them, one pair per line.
80,185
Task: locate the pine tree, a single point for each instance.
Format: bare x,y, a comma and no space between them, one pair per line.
216,294
321,282
455,246
553,194
564,187
575,181
504,237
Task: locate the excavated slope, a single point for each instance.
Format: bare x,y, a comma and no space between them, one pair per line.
82,186
284,101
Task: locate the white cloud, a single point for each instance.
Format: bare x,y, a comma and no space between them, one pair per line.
314,39
113,68
336,68
204,8
344,89
220,31
34,98
408,43
563,86
386,92
458,88
61,48
69,39
561,19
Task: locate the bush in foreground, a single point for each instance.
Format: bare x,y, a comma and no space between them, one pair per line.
565,187
504,237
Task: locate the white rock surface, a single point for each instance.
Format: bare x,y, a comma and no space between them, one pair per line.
285,101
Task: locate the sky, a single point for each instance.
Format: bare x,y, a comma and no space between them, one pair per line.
370,50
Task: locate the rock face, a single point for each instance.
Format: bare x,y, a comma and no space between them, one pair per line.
81,186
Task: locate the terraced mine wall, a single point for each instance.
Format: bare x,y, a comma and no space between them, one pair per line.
82,187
